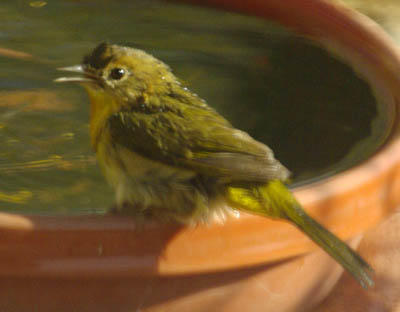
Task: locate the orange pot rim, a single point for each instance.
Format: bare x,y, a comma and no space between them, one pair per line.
348,203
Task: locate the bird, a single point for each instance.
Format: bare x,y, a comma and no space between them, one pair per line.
170,156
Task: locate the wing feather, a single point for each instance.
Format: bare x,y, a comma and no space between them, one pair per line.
196,138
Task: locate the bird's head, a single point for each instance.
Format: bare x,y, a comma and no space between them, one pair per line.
127,74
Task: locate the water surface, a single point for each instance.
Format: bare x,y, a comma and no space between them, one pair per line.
309,107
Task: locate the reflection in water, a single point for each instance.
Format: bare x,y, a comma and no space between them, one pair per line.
307,106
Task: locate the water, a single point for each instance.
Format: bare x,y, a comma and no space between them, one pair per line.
310,108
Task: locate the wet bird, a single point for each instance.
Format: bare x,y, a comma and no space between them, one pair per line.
170,156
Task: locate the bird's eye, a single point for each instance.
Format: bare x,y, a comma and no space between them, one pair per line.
117,73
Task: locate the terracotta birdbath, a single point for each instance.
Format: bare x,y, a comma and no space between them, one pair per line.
107,263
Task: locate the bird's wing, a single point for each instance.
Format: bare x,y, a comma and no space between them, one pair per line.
197,139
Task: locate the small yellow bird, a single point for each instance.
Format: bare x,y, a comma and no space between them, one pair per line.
169,155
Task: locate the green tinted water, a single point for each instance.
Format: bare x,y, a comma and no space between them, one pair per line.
309,107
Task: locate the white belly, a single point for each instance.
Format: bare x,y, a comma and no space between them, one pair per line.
143,186
144,181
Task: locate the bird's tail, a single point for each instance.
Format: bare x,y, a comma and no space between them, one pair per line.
274,200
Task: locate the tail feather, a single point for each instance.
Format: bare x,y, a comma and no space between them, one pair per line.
336,248
274,200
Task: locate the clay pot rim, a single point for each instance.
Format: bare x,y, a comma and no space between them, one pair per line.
43,246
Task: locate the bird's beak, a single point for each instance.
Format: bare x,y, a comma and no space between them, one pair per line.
80,69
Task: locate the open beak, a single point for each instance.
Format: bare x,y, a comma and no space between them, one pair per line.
85,76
